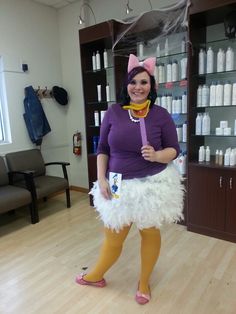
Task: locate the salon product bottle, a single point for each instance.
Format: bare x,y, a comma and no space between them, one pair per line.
210,60
174,100
220,60
205,96
175,72
98,60
198,124
105,59
217,157
227,158
184,102
178,104
99,92
227,94
221,157
234,94
108,92
207,154
96,118
161,72
102,114
206,122
234,127
166,47
163,101
94,66
219,94
199,96
212,100
229,59
232,158
183,45
169,103
201,154
158,51
183,68
179,131
184,128
140,49
169,72
201,61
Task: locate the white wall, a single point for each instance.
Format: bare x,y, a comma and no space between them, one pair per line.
47,39
29,33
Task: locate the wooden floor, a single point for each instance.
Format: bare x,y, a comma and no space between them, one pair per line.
38,264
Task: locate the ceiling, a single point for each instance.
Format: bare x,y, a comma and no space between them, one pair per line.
57,4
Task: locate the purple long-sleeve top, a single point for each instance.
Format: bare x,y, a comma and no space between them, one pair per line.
120,139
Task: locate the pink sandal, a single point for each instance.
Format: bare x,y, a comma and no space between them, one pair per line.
81,281
142,298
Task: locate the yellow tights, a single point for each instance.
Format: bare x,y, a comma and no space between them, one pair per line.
112,247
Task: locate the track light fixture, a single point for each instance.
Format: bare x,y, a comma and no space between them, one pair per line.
82,20
128,8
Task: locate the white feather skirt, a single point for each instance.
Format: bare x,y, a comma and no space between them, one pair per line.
146,202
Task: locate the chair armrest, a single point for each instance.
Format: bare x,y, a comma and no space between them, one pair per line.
61,163
28,176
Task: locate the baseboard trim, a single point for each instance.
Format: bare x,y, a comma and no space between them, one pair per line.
79,189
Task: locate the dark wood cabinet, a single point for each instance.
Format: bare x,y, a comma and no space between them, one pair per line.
212,201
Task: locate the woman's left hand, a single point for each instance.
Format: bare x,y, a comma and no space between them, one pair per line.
148,153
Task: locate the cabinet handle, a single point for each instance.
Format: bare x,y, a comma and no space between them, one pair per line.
231,183
220,181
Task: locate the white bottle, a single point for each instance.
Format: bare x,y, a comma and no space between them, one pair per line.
210,61
201,154
158,51
220,60
105,59
227,94
207,154
94,62
234,94
99,92
201,61
102,114
163,101
175,71
140,50
183,68
212,101
205,96
161,73
232,158
166,47
184,102
179,131
198,124
206,121
227,158
199,96
98,60
221,158
229,63
184,128
183,45
174,100
217,157
219,94
169,72
108,92
182,164
169,103
96,118
178,105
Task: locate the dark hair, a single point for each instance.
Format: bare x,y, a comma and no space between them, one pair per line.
124,93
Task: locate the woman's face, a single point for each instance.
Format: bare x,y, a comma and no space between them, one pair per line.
139,88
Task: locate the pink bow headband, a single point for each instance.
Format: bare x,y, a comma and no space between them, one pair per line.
148,64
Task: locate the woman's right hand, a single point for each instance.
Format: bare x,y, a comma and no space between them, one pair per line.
105,188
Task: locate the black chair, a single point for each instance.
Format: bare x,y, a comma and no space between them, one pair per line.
41,185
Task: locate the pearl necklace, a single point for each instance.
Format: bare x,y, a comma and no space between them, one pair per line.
131,118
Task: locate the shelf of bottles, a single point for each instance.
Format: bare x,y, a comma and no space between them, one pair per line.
216,99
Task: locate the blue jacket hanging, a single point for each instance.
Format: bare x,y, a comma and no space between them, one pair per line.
34,116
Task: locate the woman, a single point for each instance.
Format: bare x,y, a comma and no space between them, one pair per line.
137,141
